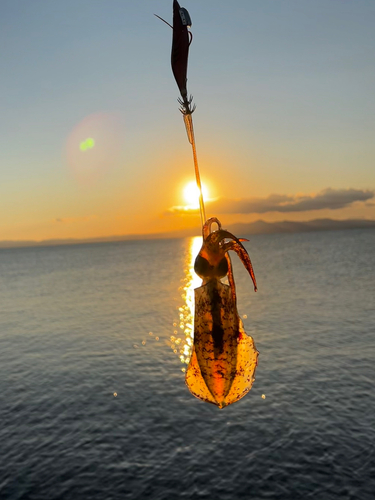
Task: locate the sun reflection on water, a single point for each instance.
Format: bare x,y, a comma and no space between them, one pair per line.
183,334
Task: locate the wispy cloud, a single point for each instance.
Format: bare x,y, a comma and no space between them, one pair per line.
72,220
183,210
332,199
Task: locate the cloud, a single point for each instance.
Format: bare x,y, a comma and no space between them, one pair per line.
72,220
184,210
332,199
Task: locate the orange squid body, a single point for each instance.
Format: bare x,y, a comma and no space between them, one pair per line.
222,366
224,358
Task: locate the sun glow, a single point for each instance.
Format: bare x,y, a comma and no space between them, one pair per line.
191,194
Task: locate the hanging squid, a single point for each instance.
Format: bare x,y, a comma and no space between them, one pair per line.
222,366
224,358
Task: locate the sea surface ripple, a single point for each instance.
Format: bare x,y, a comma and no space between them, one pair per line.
94,407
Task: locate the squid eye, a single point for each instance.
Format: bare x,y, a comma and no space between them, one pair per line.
202,267
222,268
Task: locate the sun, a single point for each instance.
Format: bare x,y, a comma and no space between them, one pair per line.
191,194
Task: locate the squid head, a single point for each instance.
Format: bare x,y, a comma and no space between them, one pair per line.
213,260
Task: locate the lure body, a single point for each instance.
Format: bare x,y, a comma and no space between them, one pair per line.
181,40
180,46
224,358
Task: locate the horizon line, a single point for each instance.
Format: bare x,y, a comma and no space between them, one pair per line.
285,226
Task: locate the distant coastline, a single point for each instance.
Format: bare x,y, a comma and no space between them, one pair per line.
242,229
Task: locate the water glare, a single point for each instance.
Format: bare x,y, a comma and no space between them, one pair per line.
186,311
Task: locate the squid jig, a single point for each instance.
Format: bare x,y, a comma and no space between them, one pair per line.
224,358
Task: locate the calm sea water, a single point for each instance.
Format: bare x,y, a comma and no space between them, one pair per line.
75,328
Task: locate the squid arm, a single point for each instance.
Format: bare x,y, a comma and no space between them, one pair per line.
241,251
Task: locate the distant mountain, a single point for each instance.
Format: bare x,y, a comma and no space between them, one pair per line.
239,229
262,227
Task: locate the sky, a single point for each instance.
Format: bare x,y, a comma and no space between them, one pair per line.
92,143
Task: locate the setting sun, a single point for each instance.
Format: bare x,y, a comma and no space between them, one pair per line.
191,194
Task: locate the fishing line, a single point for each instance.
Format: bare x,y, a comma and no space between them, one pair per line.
182,39
188,120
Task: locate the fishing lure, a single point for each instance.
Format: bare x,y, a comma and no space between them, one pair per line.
224,358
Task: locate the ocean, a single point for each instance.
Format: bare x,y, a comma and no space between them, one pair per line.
93,344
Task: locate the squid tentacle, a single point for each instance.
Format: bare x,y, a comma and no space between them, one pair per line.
206,230
231,278
214,239
241,251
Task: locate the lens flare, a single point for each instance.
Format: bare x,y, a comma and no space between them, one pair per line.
94,147
87,144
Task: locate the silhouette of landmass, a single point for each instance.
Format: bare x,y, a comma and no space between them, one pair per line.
239,229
